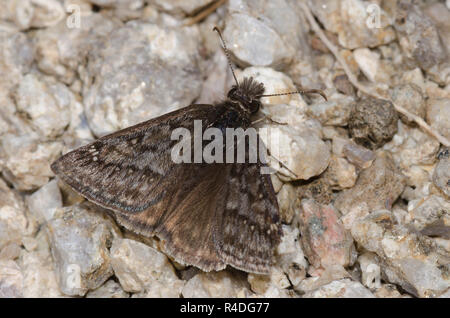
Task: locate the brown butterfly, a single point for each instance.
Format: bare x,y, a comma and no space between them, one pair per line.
208,215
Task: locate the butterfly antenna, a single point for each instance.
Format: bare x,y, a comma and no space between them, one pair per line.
301,92
224,46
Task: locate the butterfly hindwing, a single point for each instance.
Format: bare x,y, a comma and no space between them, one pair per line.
249,226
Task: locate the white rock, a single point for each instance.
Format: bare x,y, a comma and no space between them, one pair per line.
354,153
39,277
344,288
110,289
16,54
304,154
438,115
427,50
269,285
141,268
27,160
335,111
215,284
10,251
219,80
78,239
414,76
369,231
370,64
338,144
322,277
410,97
63,48
33,13
371,272
267,33
418,183
45,201
429,210
46,103
11,280
378,186
389,291
406,259
447,293
179,6
341,173
286,200
425,278
13,221
273,292
290,254
46,13
21,12
355,213
356,24
416,147
441,174
123,94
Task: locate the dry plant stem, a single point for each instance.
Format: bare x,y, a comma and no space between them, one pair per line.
366,90
203,14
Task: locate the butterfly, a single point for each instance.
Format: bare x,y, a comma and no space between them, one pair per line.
209,215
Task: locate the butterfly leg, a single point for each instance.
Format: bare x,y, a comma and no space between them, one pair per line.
283,165
265,117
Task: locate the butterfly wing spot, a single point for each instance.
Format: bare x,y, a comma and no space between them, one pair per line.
232,205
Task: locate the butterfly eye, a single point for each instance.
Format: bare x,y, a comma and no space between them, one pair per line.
254,106
232,93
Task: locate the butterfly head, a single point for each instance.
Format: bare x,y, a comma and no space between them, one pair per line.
247,94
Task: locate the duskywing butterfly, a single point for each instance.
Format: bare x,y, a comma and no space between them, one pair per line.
208,215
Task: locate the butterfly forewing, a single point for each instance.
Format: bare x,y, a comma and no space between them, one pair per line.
127,171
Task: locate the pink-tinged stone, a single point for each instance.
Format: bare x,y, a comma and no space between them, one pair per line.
325,240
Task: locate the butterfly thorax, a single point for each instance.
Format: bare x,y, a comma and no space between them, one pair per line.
230,114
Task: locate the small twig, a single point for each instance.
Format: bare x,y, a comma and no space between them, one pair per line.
203,14
366,90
